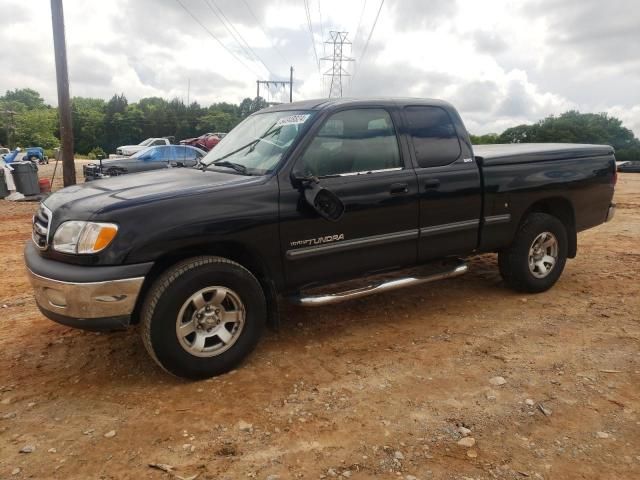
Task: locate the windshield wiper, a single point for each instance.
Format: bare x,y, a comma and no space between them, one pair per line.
235,166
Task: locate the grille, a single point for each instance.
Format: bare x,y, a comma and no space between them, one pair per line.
41,223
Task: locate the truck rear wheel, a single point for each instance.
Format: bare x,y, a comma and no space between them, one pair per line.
536,258
202,317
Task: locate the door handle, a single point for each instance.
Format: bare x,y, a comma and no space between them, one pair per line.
397,188
432,183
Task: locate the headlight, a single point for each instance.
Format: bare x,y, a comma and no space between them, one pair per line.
83,237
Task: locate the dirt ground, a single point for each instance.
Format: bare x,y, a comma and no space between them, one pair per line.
376,388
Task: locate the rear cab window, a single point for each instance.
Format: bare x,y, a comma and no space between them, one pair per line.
433,135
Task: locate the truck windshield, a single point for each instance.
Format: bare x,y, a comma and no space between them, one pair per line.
257,144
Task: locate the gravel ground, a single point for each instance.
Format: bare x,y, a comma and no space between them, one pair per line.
458,379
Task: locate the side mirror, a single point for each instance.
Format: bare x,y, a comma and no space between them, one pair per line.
323,201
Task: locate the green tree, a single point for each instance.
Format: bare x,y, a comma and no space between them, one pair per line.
35,128
88,123
217,121
23,99
484,139
576,127
251,105
114,112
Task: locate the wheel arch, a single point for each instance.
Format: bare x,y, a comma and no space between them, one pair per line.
562,209
233,251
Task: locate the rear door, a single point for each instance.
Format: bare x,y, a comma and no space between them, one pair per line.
158,157
449,185
185,156
356,155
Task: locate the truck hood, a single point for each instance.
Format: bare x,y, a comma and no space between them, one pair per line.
82,201
131,147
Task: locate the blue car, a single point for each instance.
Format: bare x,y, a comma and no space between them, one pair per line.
152,158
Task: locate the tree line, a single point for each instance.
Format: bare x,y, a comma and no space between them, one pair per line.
102,125
572,127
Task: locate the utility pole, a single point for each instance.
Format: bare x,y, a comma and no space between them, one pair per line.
277,83
337,71
291,84
64,102
10,127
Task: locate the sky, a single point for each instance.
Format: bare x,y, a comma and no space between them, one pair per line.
500,62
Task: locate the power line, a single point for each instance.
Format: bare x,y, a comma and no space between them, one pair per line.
246,47
211,34
321,27
313,38
265,32
355,37
366,45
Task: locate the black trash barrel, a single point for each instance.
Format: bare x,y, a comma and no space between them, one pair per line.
4,190
25,176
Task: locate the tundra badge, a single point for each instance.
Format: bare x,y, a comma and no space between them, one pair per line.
318,241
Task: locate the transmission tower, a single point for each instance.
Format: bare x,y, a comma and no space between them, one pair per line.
337,71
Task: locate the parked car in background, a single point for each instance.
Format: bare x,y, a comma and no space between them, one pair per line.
151,158
629,167
35,155
205,142
127,150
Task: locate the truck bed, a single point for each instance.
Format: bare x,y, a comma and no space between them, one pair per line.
513,153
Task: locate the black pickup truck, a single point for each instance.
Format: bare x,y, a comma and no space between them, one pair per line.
317,202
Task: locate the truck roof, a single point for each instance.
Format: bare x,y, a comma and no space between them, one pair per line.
327,103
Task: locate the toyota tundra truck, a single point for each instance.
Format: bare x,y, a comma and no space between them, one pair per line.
316,202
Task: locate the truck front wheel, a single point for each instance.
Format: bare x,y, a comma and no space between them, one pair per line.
536,258
202,317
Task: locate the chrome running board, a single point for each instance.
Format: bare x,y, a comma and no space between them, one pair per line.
377,287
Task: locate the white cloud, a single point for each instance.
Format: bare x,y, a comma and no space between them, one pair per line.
502,62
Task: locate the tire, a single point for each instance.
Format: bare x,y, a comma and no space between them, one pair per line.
523,264
202,294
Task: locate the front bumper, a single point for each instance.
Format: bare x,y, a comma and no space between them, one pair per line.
91,298
86,301
611,212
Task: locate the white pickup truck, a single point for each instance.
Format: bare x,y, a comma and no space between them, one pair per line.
127,150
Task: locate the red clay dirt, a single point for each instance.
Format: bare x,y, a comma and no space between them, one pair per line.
374,388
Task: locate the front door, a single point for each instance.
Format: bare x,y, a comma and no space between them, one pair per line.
355,154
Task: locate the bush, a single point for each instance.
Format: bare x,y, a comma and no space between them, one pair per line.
93,154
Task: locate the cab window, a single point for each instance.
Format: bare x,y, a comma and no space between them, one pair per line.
353,141
434,137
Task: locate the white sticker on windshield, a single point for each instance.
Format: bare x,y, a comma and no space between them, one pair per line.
292,120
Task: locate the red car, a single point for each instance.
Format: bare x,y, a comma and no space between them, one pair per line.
205,142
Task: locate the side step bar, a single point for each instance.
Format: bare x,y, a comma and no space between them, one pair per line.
379,287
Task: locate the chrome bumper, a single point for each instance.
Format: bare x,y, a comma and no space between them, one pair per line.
611,212
86,301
